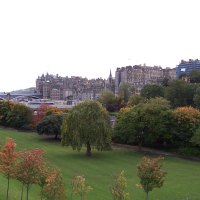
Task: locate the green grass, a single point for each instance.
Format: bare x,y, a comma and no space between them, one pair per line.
182,180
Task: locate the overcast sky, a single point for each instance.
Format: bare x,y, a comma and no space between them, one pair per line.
89,37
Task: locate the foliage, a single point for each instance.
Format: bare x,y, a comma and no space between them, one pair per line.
118,189
178,93
189,151
5,109
146,123
196,98
8,158
125,91
50,125
195,140
55,111
151,174
194,76
135,100
187,120
29,168
39,114
152,91
87,123
19,116
54,188
109,101
79,187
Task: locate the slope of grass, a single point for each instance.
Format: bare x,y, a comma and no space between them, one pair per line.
182,181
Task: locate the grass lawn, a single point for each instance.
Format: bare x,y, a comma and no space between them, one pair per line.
182,181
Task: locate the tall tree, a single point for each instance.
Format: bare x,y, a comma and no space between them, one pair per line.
177,93
88,124
125,91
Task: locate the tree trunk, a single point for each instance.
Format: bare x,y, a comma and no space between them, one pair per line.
27,192
22,191
8,185
88,152
147,195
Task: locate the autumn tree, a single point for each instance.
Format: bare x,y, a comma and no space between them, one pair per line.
88,124
118,189
151,174
29,169
8,158
54,186
39,114
79,187
187,120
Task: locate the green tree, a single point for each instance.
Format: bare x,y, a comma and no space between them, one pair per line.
118,189
194,76
108,100
135,100
151,174
196,98
50,125
195,140
152,91
146,123
5,109
19,116
177,93
125,91
87,123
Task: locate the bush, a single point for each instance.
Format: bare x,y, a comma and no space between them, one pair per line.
189,151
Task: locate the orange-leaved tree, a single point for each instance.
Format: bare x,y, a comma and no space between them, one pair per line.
54,186
29,169
151,174
8,160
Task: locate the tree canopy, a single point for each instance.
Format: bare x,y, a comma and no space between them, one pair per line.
88,124
152,91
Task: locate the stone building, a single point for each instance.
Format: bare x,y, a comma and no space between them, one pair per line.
72,88
139,75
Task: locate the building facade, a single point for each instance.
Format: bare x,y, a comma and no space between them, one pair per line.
72,88
185,67
139,75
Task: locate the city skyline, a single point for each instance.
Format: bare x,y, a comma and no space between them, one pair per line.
89,38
